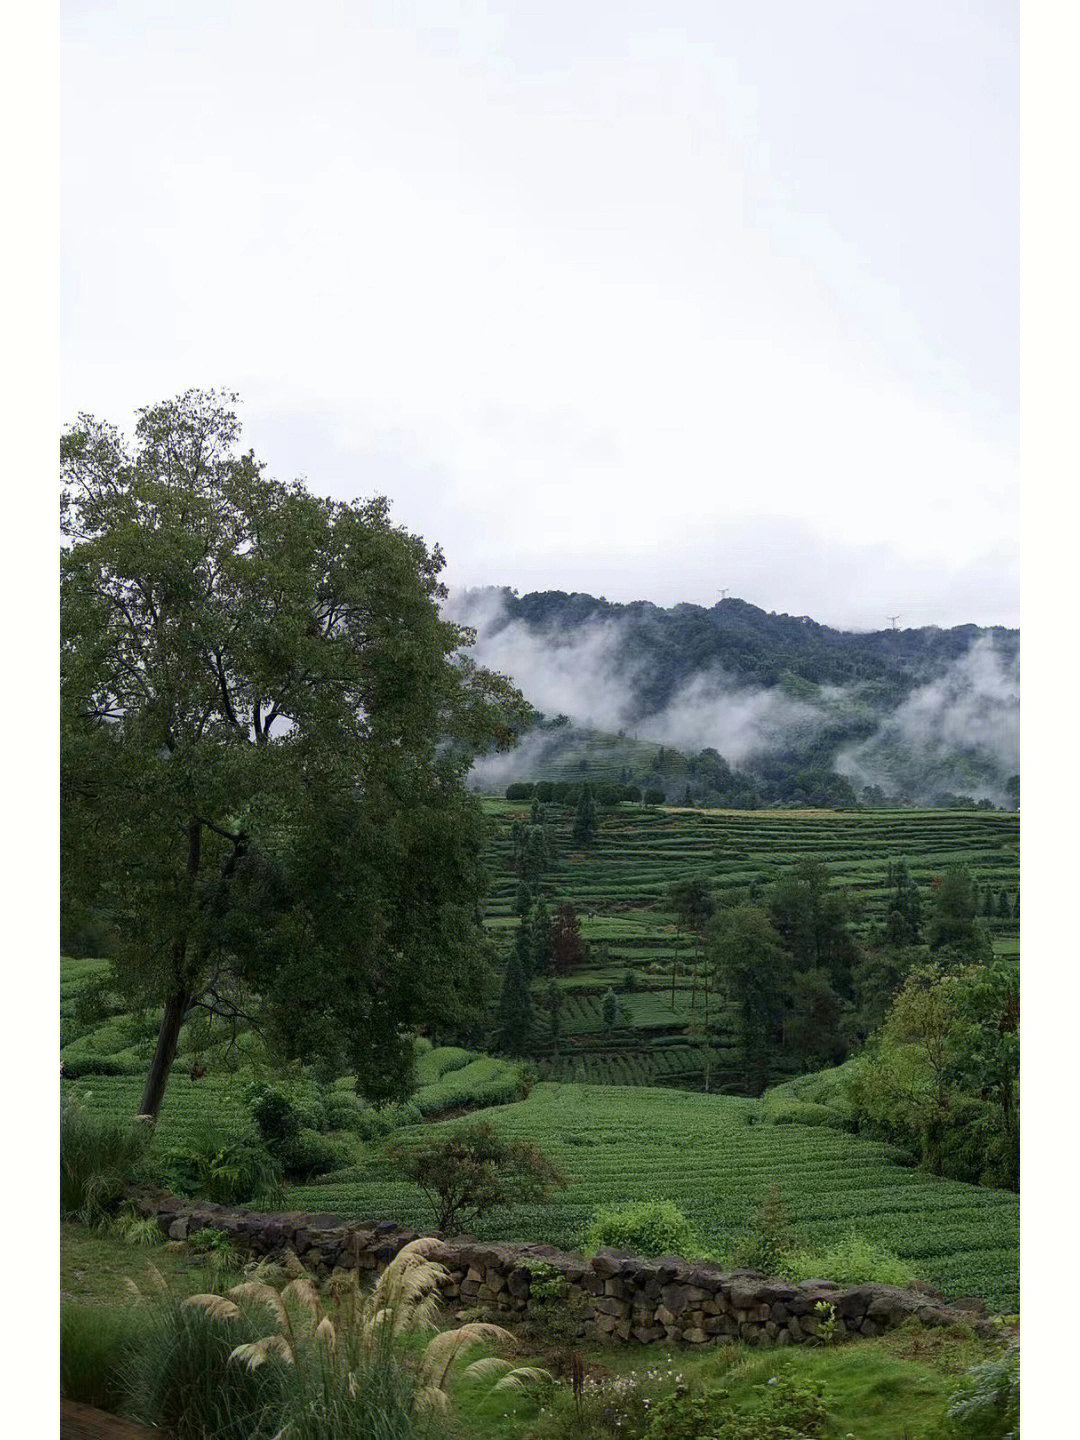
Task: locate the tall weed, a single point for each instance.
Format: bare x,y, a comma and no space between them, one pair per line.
98,1158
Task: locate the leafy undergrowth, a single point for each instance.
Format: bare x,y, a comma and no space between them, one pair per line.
899,1385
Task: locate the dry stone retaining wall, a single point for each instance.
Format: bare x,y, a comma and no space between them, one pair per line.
625,1298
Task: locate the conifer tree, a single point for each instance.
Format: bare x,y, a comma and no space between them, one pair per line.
515,1009
585,817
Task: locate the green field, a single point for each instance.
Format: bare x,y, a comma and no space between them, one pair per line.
619,1143
619,887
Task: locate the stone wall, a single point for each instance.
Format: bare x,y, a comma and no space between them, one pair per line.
625,1298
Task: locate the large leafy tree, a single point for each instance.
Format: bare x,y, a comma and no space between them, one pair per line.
265,728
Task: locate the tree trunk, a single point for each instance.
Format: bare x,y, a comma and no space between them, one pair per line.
164,1054
176,1005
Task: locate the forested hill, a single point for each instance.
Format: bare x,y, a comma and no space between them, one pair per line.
927,716
753,644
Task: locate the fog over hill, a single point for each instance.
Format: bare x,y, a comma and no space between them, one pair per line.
799,711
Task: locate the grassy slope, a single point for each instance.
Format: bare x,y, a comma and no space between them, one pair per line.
620,1143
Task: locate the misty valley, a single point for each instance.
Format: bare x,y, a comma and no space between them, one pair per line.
732,706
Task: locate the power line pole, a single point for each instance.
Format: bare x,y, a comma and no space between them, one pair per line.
894,619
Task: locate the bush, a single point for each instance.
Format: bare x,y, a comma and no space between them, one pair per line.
228,1169
770,1238
343,1111
275,1114
179,1378
520,790
654,797
798,1112
854,1260
98,1158
987,1404
468,1173
648,1227
95,1344
79,1066
310,1153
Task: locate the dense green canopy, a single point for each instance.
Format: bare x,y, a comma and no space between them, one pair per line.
265,728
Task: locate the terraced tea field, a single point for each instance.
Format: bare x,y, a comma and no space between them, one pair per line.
619,887
703,1152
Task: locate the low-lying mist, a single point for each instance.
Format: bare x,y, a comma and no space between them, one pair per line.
959,732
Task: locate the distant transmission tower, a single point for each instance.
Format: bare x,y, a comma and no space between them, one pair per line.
723,594
893,618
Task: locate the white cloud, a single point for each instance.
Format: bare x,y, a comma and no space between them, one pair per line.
567,293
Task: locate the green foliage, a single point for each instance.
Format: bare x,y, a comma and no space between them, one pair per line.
98,1158
135,1230
853,1260
796,1112
515,1019
180,1379
648,1227
94,1344
230,1169
266,724
308,1154
474,1169
986,1406
622,1144
343,1111
954,928
585,820
276,1115
753,968
783,1408
770,1239
558,1311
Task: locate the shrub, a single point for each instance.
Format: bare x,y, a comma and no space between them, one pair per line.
343,1111
770,1238
95,1343
557,1310
133,1229
987,1404
854,1260
228,1169
467,1173
77,1067
276,1115
98,1158
649,1227
179,1378
785,1409
798,1112
310,1153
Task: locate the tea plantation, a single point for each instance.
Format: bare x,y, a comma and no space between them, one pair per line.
716,1160
609,1125
619,886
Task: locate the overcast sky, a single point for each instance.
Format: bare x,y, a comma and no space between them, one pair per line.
639,299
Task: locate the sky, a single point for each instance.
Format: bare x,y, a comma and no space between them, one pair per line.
643,300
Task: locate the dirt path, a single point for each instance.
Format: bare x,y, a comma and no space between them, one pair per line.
83,1422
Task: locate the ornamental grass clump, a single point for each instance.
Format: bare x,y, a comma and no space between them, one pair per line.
98,1158
346,1365
180,1378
